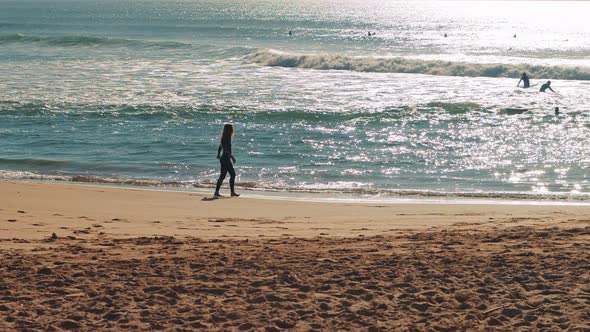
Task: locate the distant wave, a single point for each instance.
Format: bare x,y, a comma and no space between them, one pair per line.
268,57
32,162
81,40
98,111
367,193
147,112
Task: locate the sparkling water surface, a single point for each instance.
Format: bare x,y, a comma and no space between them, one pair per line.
136,92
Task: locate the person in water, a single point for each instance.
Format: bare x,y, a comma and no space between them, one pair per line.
226,160
525,81
546,86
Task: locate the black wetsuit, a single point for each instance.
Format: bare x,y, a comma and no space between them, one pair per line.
545,87
525,82
226,166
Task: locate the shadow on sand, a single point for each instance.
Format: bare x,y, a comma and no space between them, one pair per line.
212,198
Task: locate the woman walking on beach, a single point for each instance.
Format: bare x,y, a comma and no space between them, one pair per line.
226,159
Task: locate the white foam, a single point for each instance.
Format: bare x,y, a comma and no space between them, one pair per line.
269,57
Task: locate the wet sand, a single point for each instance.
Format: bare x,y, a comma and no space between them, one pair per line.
97,258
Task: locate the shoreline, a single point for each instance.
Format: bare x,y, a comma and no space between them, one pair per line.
427,197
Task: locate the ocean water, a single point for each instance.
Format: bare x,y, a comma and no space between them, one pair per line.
136,92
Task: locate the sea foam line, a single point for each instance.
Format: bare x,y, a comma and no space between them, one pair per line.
356,193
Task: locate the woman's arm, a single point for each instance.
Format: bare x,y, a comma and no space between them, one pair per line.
219,151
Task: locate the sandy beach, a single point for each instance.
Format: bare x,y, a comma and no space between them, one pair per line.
101,258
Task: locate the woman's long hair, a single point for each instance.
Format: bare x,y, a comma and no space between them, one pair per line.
227,133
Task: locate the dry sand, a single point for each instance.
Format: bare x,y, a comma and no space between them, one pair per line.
125,259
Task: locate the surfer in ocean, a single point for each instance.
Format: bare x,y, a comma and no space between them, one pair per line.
546,86
525,81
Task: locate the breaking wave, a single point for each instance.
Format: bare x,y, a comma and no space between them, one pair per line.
269,57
